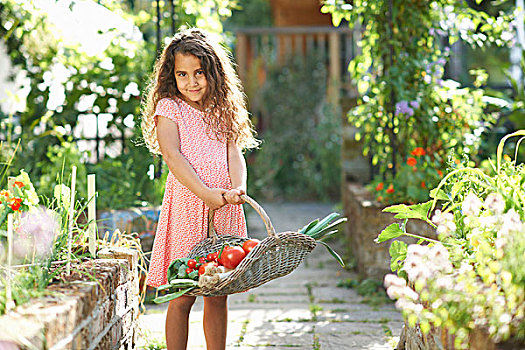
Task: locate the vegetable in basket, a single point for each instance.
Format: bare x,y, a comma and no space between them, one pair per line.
322,229
186,274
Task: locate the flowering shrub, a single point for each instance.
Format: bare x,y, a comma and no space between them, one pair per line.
412,181
405,101
473,277
19,196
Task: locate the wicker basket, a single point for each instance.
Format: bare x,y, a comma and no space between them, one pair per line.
275,256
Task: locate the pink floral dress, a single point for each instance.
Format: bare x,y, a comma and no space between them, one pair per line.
183,220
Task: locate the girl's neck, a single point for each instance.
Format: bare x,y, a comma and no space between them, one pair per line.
197,105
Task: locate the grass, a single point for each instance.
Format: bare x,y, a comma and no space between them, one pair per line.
243,332
155,344
371,290
332,301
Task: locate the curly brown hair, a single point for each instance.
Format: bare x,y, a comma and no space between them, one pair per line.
224,102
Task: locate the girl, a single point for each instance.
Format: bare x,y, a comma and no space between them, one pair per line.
195,116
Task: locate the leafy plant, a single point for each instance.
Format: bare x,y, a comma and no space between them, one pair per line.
472,277
405,101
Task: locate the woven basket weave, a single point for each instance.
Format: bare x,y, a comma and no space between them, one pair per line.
275,256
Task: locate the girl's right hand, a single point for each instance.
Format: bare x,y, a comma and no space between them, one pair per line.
214,198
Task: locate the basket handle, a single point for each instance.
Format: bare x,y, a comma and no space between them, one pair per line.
265,218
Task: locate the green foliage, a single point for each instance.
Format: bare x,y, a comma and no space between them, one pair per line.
250,13
404,102
127,180
473,277
111,81
300,155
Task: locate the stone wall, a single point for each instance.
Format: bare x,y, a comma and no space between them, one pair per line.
92,312
365,221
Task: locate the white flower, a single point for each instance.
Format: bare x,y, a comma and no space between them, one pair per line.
407,305
505,318
471,205
438,256
495,203
417,250
488,222
416,268
393,280
440,217
395,292
444,282
444,221
511,223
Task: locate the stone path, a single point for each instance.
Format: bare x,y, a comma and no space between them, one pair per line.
304,310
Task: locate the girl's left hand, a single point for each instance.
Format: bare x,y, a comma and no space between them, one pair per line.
233,196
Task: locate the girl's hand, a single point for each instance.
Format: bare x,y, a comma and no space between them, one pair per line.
233,196
214,198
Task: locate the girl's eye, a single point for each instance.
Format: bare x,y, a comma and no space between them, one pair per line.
181,74
200,72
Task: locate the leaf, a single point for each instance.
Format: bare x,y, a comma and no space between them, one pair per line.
456,188
416,211
392,231
321,233
309,226
321,225
398,253
438,194
169,297
334,254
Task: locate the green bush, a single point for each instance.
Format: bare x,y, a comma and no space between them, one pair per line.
300,154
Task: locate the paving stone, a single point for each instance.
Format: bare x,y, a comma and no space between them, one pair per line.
279,334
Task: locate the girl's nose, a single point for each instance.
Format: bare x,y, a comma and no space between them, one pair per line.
193,81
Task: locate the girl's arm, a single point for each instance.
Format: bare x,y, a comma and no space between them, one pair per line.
169,142
237,170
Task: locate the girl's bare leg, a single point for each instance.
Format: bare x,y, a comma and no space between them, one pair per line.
177,322
215,322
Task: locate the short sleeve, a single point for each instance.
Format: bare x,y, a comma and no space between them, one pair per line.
167,108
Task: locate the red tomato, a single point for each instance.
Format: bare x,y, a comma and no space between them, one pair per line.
189,270
249,245
211,257
192,263
231,257
202,259
202,268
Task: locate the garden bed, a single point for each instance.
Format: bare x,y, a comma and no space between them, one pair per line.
365,221
96,308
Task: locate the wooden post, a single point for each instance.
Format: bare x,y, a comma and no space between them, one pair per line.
334,77
240,53
71,217
92,216
10,304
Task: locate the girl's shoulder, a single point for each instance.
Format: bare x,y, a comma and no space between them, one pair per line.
168,107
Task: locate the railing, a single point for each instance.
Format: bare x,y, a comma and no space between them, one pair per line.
276,44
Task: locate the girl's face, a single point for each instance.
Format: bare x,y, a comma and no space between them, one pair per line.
190,78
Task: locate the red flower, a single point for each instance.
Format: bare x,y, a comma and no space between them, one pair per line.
390,189
380,199
16,203
418,151
423,184
411,161
18,184
440,173
379,186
